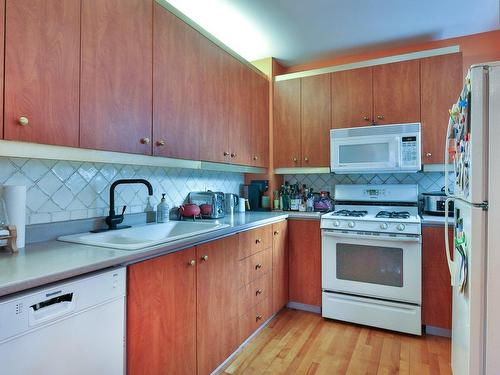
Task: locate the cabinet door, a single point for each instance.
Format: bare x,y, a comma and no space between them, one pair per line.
441,83
177,84
304,241
316,120
396,92
214,138
240,115
116,75
260,120
352,98
161,315
280,265
42,71
286,136
217,301
437,292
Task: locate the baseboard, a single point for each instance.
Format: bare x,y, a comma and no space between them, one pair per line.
304,307
242,346
436,331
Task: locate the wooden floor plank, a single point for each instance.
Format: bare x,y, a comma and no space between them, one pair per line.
297,342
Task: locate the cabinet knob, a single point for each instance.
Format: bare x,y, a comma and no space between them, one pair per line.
192,262
233,154
366,118
161,142
204,258
145,140
258,317
258,240
276,232
258,266
23,121
255,157
380,117
226,153
428,154
258,291
295,160
306,159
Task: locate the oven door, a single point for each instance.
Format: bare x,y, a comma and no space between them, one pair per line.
372,265
365,154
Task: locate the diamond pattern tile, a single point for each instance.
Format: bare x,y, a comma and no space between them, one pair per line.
62,190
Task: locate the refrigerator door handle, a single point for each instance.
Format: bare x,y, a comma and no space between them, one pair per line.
451,263
447,158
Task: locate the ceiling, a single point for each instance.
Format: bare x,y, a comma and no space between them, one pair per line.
297,31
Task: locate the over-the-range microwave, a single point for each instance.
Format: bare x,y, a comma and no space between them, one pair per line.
376,149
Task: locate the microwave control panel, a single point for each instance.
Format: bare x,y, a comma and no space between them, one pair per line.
409,152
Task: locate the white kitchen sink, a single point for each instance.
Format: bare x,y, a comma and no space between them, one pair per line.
142,236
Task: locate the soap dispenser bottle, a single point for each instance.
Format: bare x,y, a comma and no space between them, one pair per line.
162,210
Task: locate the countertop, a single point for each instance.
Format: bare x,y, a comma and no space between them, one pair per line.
302,215
46,262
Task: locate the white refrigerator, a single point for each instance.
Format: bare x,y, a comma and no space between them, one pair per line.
473,183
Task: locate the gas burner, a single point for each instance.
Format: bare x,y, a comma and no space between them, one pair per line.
393,215
351,213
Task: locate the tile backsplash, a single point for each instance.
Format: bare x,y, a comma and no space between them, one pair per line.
62,190
427,181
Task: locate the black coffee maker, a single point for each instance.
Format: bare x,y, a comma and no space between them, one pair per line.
254,192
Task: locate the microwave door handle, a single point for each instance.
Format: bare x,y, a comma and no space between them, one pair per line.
371,237
451,263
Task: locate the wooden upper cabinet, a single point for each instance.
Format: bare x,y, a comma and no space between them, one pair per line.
441,83
42,45
217,302
396,92
260,120
304,241
316,119
161,315
213,129
352,98
436,290
286,138
116,75
177,81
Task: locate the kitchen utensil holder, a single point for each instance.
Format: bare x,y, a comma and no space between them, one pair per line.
11,239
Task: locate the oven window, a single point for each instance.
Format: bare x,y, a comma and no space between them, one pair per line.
364,153
370,264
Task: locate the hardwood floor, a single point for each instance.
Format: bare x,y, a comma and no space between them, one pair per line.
297,342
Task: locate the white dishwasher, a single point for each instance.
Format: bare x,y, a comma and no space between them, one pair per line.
70,328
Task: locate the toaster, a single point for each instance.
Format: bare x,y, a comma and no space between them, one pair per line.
215,199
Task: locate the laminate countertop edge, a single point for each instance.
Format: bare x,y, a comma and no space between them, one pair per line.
41,264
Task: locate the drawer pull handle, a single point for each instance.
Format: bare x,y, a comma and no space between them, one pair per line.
258,240
23,121
258,266
145,141
380,117
276,232
258,291
258,317
192,262
204,258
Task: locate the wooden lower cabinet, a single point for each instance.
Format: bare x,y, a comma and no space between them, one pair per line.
436,288
280,266
161,315
217,302
304,241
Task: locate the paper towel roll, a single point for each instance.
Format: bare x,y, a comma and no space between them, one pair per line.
15,202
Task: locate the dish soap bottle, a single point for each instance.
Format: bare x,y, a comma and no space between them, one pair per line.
162,210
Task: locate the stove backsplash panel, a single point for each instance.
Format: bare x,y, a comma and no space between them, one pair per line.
62,190
427,181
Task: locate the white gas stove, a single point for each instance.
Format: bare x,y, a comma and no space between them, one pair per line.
371,257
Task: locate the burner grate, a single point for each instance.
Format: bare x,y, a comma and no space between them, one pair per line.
393,215
351,213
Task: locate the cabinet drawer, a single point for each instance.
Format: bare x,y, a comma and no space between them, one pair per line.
252,320
255,240
254,293
255,266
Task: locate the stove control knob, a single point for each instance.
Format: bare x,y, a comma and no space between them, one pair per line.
351,224
400,227
383,226
336,223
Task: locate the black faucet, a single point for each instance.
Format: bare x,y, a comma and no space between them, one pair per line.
113,219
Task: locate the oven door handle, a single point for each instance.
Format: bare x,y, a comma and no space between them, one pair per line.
364,236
